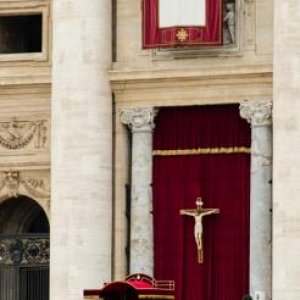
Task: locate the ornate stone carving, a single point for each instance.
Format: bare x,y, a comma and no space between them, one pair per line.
257,113
36,187
10,183
24,250
14,184
139,119
19,134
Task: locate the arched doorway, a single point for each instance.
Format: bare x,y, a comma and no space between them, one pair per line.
24,250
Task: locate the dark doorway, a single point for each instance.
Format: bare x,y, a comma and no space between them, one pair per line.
24,250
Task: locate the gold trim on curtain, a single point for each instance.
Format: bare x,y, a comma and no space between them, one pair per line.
222,150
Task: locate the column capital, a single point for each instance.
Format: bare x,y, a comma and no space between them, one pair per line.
257,113
139,119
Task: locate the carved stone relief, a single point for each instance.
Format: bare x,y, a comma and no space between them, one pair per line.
229,22
35,186
17,134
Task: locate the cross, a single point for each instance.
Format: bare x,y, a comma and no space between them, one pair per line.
198,214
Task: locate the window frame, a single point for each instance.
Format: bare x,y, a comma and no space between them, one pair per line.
223,50
29,8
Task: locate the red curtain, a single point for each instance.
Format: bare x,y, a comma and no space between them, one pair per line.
155,37
223,180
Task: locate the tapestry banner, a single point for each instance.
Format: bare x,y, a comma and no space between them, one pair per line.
197,22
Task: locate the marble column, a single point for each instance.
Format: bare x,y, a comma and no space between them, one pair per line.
141,124
81,153
259,115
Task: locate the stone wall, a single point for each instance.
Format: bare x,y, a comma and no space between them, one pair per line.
25,91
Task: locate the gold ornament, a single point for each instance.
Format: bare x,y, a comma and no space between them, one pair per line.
182,35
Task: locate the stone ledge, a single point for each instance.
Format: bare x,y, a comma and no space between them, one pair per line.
192,87
118,76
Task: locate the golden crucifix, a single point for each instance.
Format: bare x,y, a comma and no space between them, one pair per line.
198,214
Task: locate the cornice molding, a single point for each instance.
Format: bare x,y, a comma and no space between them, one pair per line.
135,76
192,87
24,80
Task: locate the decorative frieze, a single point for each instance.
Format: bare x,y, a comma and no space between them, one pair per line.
17,134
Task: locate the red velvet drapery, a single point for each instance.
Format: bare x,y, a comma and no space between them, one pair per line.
223,180
156,37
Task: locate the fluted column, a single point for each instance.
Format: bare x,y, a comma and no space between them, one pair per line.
259,114
81,148
140,121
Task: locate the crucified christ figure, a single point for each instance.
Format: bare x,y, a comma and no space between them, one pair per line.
198,214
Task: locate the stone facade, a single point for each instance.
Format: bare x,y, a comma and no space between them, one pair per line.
68,87
25,126
149,78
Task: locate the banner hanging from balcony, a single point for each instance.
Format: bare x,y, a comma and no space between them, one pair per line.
175,23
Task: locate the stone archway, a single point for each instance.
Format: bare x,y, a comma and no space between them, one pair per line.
22,215
24,250
32,184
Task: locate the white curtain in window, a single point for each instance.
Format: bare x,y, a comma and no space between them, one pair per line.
182,13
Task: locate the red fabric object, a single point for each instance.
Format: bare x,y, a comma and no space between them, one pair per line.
135,286
155,37
140,284
223,180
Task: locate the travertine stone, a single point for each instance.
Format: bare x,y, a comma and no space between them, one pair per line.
259,114
141,122
264,26
286,220
81,149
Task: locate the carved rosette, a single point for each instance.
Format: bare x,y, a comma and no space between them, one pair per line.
14,184
139,119
257,113
16,135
